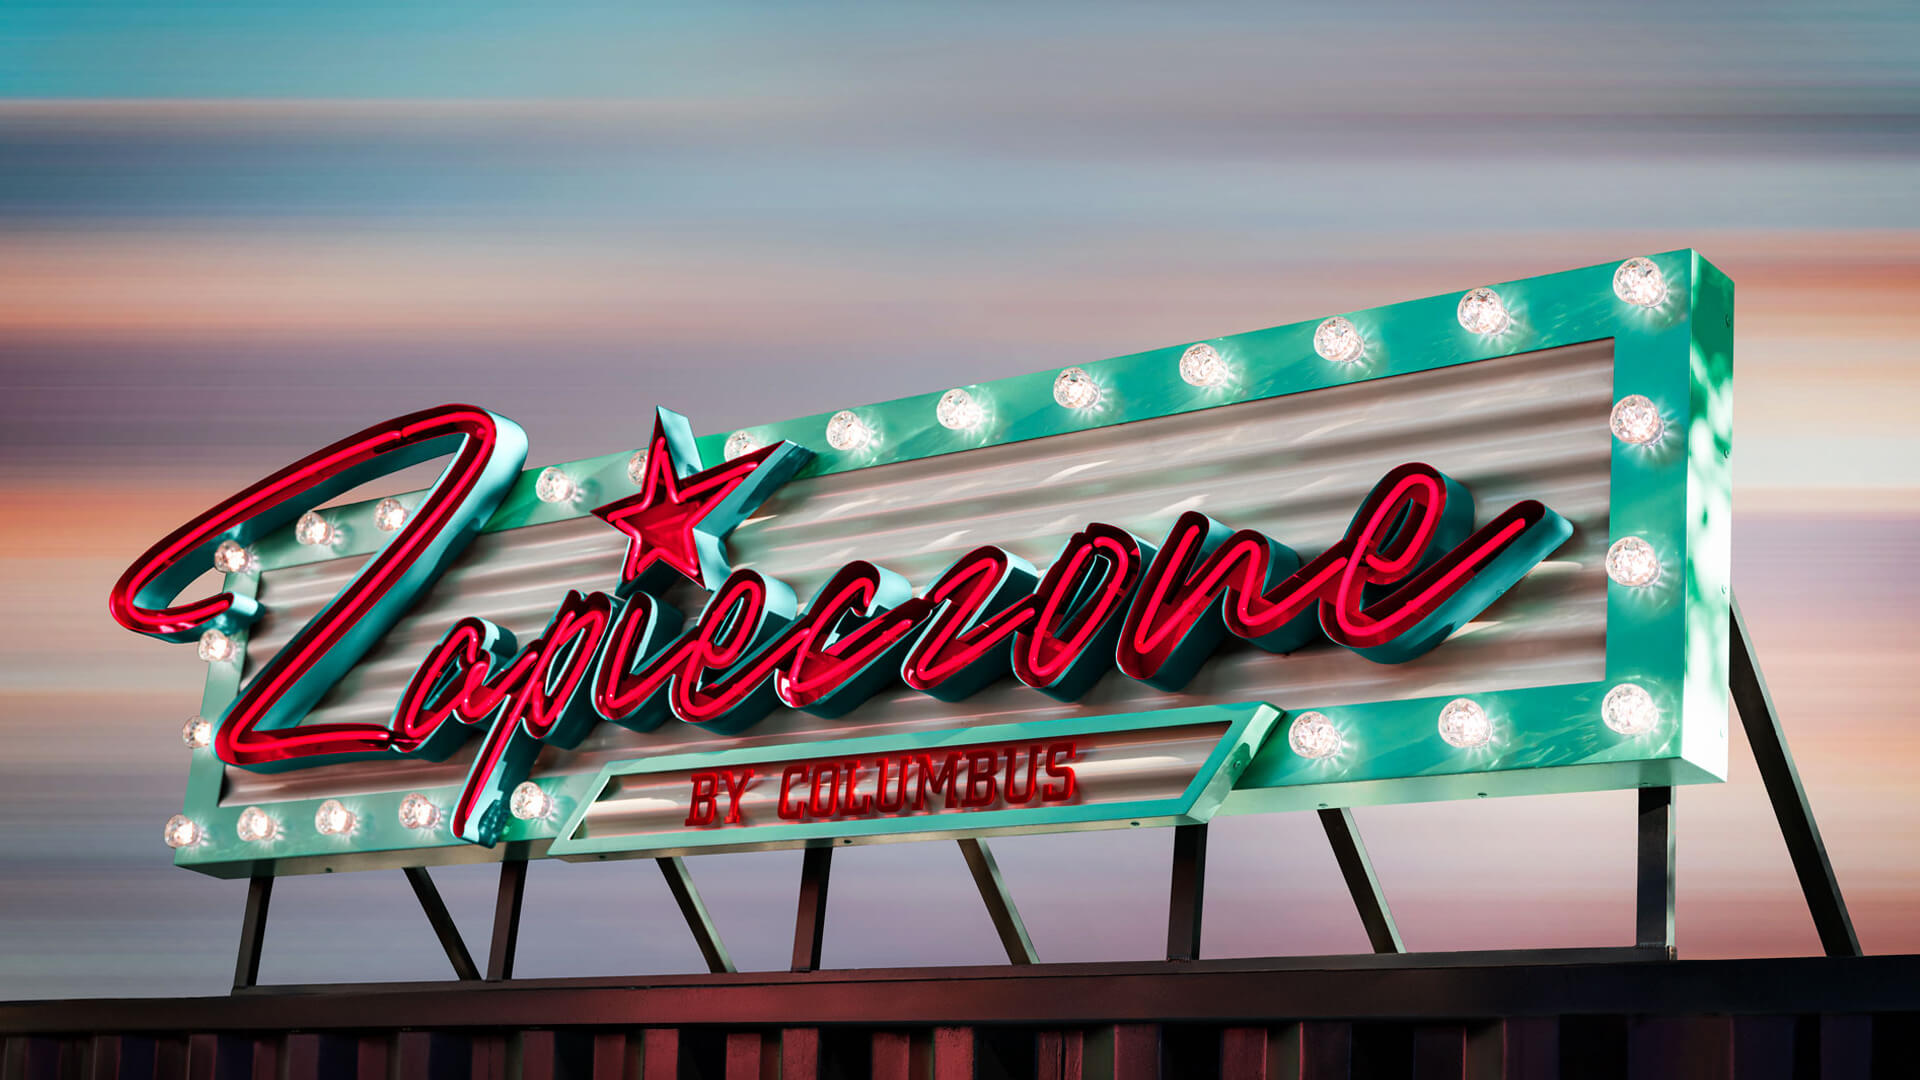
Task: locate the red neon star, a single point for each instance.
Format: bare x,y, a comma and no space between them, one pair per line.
680,520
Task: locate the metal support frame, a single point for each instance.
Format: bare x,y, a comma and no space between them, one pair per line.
810,926
694,910
1186,900
1653,892
1368,898
443,926
999,900
1653,900
253,931
506,919
1790,807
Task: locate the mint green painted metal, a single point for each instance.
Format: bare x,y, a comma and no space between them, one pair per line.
1670,637
1247,726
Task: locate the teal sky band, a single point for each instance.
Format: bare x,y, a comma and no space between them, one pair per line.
1671,639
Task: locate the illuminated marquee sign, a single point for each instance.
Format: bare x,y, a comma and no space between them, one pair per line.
1461,546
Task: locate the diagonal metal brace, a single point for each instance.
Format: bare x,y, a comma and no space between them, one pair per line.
999,900
694,910
443,926
1789,798
1368,898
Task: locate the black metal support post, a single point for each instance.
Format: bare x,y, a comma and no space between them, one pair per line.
1186,900
506,919
1789,798
999,900
442,922
694,910
253,931
1653,901
810,926
1369,899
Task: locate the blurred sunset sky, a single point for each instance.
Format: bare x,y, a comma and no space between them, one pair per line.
230,233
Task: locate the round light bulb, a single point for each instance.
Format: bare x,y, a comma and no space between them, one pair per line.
555,486
1632,561
1483,312
1463,723
1629,710
1338,340
530,802
313,529
958,411
740,443
256,826
1635,419
418,812
333,819
1312,735
1202,365
1075,389
637,467
846,431
180,831
1639,282
231,558
216,647
389,515
197,733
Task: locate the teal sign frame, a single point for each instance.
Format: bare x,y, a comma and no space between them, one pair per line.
1671,639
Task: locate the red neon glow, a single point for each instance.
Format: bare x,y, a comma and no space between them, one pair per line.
964,631
663,520
1041,654
239,740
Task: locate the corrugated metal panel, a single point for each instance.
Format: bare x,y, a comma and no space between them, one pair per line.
1526,426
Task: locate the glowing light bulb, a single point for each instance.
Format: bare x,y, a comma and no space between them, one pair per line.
256,826
216,647
637,467
958,411
333,819
418,812
389,515
555,486
231,558
1635,419
1629,710
1075,389
1632,561
530,802
1639,282
740,442
197,733
1312,735
1463,723
846,431
1483,312
314,530
180,831
1202,365
1338,340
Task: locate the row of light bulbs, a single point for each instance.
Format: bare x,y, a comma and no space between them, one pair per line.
1337,340
1482,311
1463,724
529,802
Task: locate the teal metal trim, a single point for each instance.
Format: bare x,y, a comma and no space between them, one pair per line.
1247,726
1670,637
